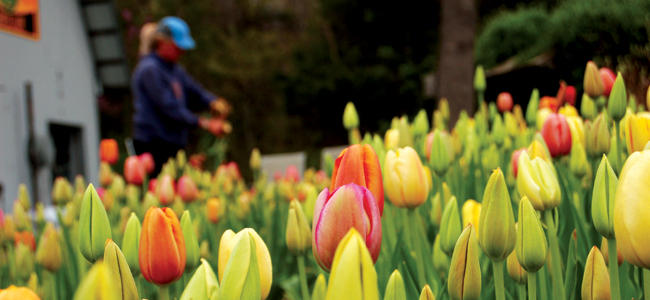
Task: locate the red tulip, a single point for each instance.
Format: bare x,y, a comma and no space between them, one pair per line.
549,102
349,206
359,164
504,101
515,160
187,189
608,80
162,247
570,95
557,135
152,185
133,170
230,169
165,190
147,161
108,151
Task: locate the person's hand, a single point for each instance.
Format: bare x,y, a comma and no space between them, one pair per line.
217,127
220,108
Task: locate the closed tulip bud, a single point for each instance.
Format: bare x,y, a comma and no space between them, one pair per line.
26,238
516,272
617,104
107,198
21,217
598,136
205,249
24,261
23,196
595,283
298,233
421,123
450,227
603,199
94,227
118,187
15,293
405,136
256,159
578,164
605,252
391,139
504,101
181,159
427,293
350,206
134,171
531,247
165,190
498,130
119,271
350,116
577,130
192,254
406,182
492,111
203,285
187,189
105,174
537,148
108,151
320,288
440,153
470,212
588,108
537,181
439,120
359,164
235,269
131,243
395,288
48,253
98,284
511,124
479,79
496,230
593,83
61,191
557,135
531,109
9,227
465,271
441,261
443,107
162,247
637,131
353,274
490,158
542,115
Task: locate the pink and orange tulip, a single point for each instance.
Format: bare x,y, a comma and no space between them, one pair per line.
133,170
359,164
162,247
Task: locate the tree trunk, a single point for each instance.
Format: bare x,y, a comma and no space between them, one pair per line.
456,68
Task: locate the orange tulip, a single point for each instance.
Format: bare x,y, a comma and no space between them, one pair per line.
162,247
25,237
22,293
133,170
213,207
108,151
549,102
359,164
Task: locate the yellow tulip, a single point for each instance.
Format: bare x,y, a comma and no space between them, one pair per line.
470,213
577,129
568,111
637,131
391,139
541,116
228,242
465,271
595,283
536,180
427,293
593,83
353,273
405,181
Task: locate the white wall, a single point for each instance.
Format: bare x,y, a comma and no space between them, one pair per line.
60,67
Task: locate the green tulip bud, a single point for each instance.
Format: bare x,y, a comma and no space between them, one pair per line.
23,196
516,272
192,252
441,153
421,123
181,159
367,138
24,261
450,227
405,137
490,158
131,243
94,227
498,130
531,247
118,187
617,105
427,293
510,123
20,216
48,253
61,191
531,110
588,108
79,183
441,261
497,236
320,288
598,139
350,116
492,111
603,199
479,79
439,120
465,271
241,277
298,234
97,284
443,107
578,162
203,285
395,288
119,271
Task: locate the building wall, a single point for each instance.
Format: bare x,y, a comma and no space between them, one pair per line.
60,68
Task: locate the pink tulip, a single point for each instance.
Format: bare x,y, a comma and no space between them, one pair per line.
515,160
147,161
292,174
152,185
349,206
133,170
165,190
187,189
608,80
557,135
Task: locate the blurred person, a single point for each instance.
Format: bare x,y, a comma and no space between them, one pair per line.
164,94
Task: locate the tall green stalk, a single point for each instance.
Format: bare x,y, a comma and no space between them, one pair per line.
411,226
303,277
613,269
164,292
619,164
646,283
558,282
532,285
499,288
543,274
522,291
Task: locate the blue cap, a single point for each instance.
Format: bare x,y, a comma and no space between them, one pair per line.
178,30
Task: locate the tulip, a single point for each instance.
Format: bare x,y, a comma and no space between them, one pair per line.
350,206
353,275
131,243
298,233
443,107
537,181
637,131
165,190
617,104
531,109
146,159
9,227
439,120
608,77
516,272
181,159
450,227
537,148
203,285
598,139
427,293
490,158
250,242
420,123
504,101
479,79
118,187
541,116
24,262
465,271
550,103
162,247
97,284
531,246
603,199
605,251
192,253
359,164
439,143
395,288
79,183
588,108
570,95
595,283
23,222
593,83
441,261
498,131
470,213
405,137
320,288
496,230
578,164
492,111
187,189
511,124
631,210
256,159
391,139
213,210
61,191
350,116
107,198
514,161
557,135
134,171
26,238
406,180
16,293
108,151
49,249
94,227
119,271
105,174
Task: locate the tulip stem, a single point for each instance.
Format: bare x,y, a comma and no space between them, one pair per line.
138,286
499,288
619,164
532,285
522,291
303,277
164,292
558,282
543,291
613,269
646,283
